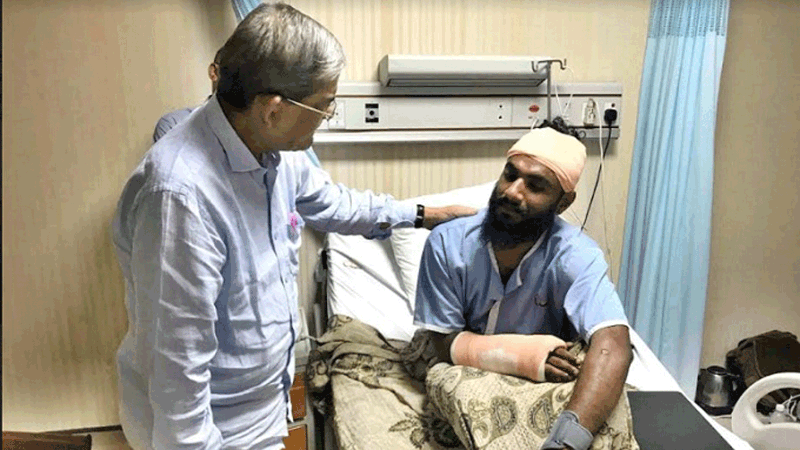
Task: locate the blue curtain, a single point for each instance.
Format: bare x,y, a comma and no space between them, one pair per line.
243,7
664,269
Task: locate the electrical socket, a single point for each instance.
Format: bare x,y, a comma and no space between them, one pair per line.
589,112
606,106
371,113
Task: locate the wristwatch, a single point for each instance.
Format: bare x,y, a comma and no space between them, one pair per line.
420,216
567,431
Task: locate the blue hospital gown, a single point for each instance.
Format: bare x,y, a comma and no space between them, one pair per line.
560,287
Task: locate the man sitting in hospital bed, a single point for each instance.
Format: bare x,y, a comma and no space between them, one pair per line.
504,290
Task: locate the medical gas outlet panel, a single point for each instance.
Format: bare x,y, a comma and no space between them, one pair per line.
473,114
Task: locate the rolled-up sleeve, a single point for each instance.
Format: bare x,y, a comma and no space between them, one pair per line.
176,265
331,207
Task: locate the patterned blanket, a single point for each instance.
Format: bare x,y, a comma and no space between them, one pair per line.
379,397
376,404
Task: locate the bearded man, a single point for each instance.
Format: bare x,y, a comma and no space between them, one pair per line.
506,289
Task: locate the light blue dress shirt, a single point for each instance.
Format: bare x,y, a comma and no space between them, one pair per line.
560,287
207,238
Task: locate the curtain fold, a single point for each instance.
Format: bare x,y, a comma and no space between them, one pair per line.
664,268
242,8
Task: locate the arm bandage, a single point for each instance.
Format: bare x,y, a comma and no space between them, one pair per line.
510,354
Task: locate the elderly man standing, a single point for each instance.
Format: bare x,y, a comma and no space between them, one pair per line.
504,289
207,232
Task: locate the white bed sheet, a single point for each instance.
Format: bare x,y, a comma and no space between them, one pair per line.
365,282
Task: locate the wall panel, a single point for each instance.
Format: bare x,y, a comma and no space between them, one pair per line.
602,41
754,279
83,85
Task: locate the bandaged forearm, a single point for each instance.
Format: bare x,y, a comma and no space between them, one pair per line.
510,354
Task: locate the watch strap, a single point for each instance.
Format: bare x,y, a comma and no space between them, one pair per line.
420,216
568,431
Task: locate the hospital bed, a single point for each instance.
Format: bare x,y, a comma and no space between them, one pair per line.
373,281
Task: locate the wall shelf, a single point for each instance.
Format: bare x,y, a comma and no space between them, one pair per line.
403,136
368,112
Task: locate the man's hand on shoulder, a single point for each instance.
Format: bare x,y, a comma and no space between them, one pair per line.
436,215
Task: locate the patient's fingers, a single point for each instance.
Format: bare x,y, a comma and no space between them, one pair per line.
563,365
555,375
562,353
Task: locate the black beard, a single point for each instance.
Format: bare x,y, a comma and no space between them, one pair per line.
502,232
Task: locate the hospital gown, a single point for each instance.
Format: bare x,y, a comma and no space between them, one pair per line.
560,287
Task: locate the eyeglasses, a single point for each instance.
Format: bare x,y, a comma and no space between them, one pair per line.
326,115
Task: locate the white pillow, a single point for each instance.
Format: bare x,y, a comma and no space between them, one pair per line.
408,243
364,283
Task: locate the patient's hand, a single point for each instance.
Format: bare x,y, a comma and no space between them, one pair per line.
561,366
434,216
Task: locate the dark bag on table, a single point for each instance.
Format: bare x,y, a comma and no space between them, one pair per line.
763,355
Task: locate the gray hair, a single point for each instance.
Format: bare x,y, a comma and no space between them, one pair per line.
277,49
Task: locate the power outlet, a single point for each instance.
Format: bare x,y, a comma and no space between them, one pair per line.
337,122
589,113
607,106
371,114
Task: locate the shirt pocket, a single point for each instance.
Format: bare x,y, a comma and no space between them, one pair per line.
257,317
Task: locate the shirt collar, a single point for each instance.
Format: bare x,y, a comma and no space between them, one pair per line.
516,276
239,156
518,281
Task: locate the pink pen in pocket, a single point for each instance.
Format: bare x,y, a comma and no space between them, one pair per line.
294,225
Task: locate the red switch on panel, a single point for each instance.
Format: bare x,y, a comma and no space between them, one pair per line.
533,108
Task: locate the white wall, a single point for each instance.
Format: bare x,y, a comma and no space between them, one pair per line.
754,280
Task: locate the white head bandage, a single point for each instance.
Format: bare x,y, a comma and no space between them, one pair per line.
559,152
